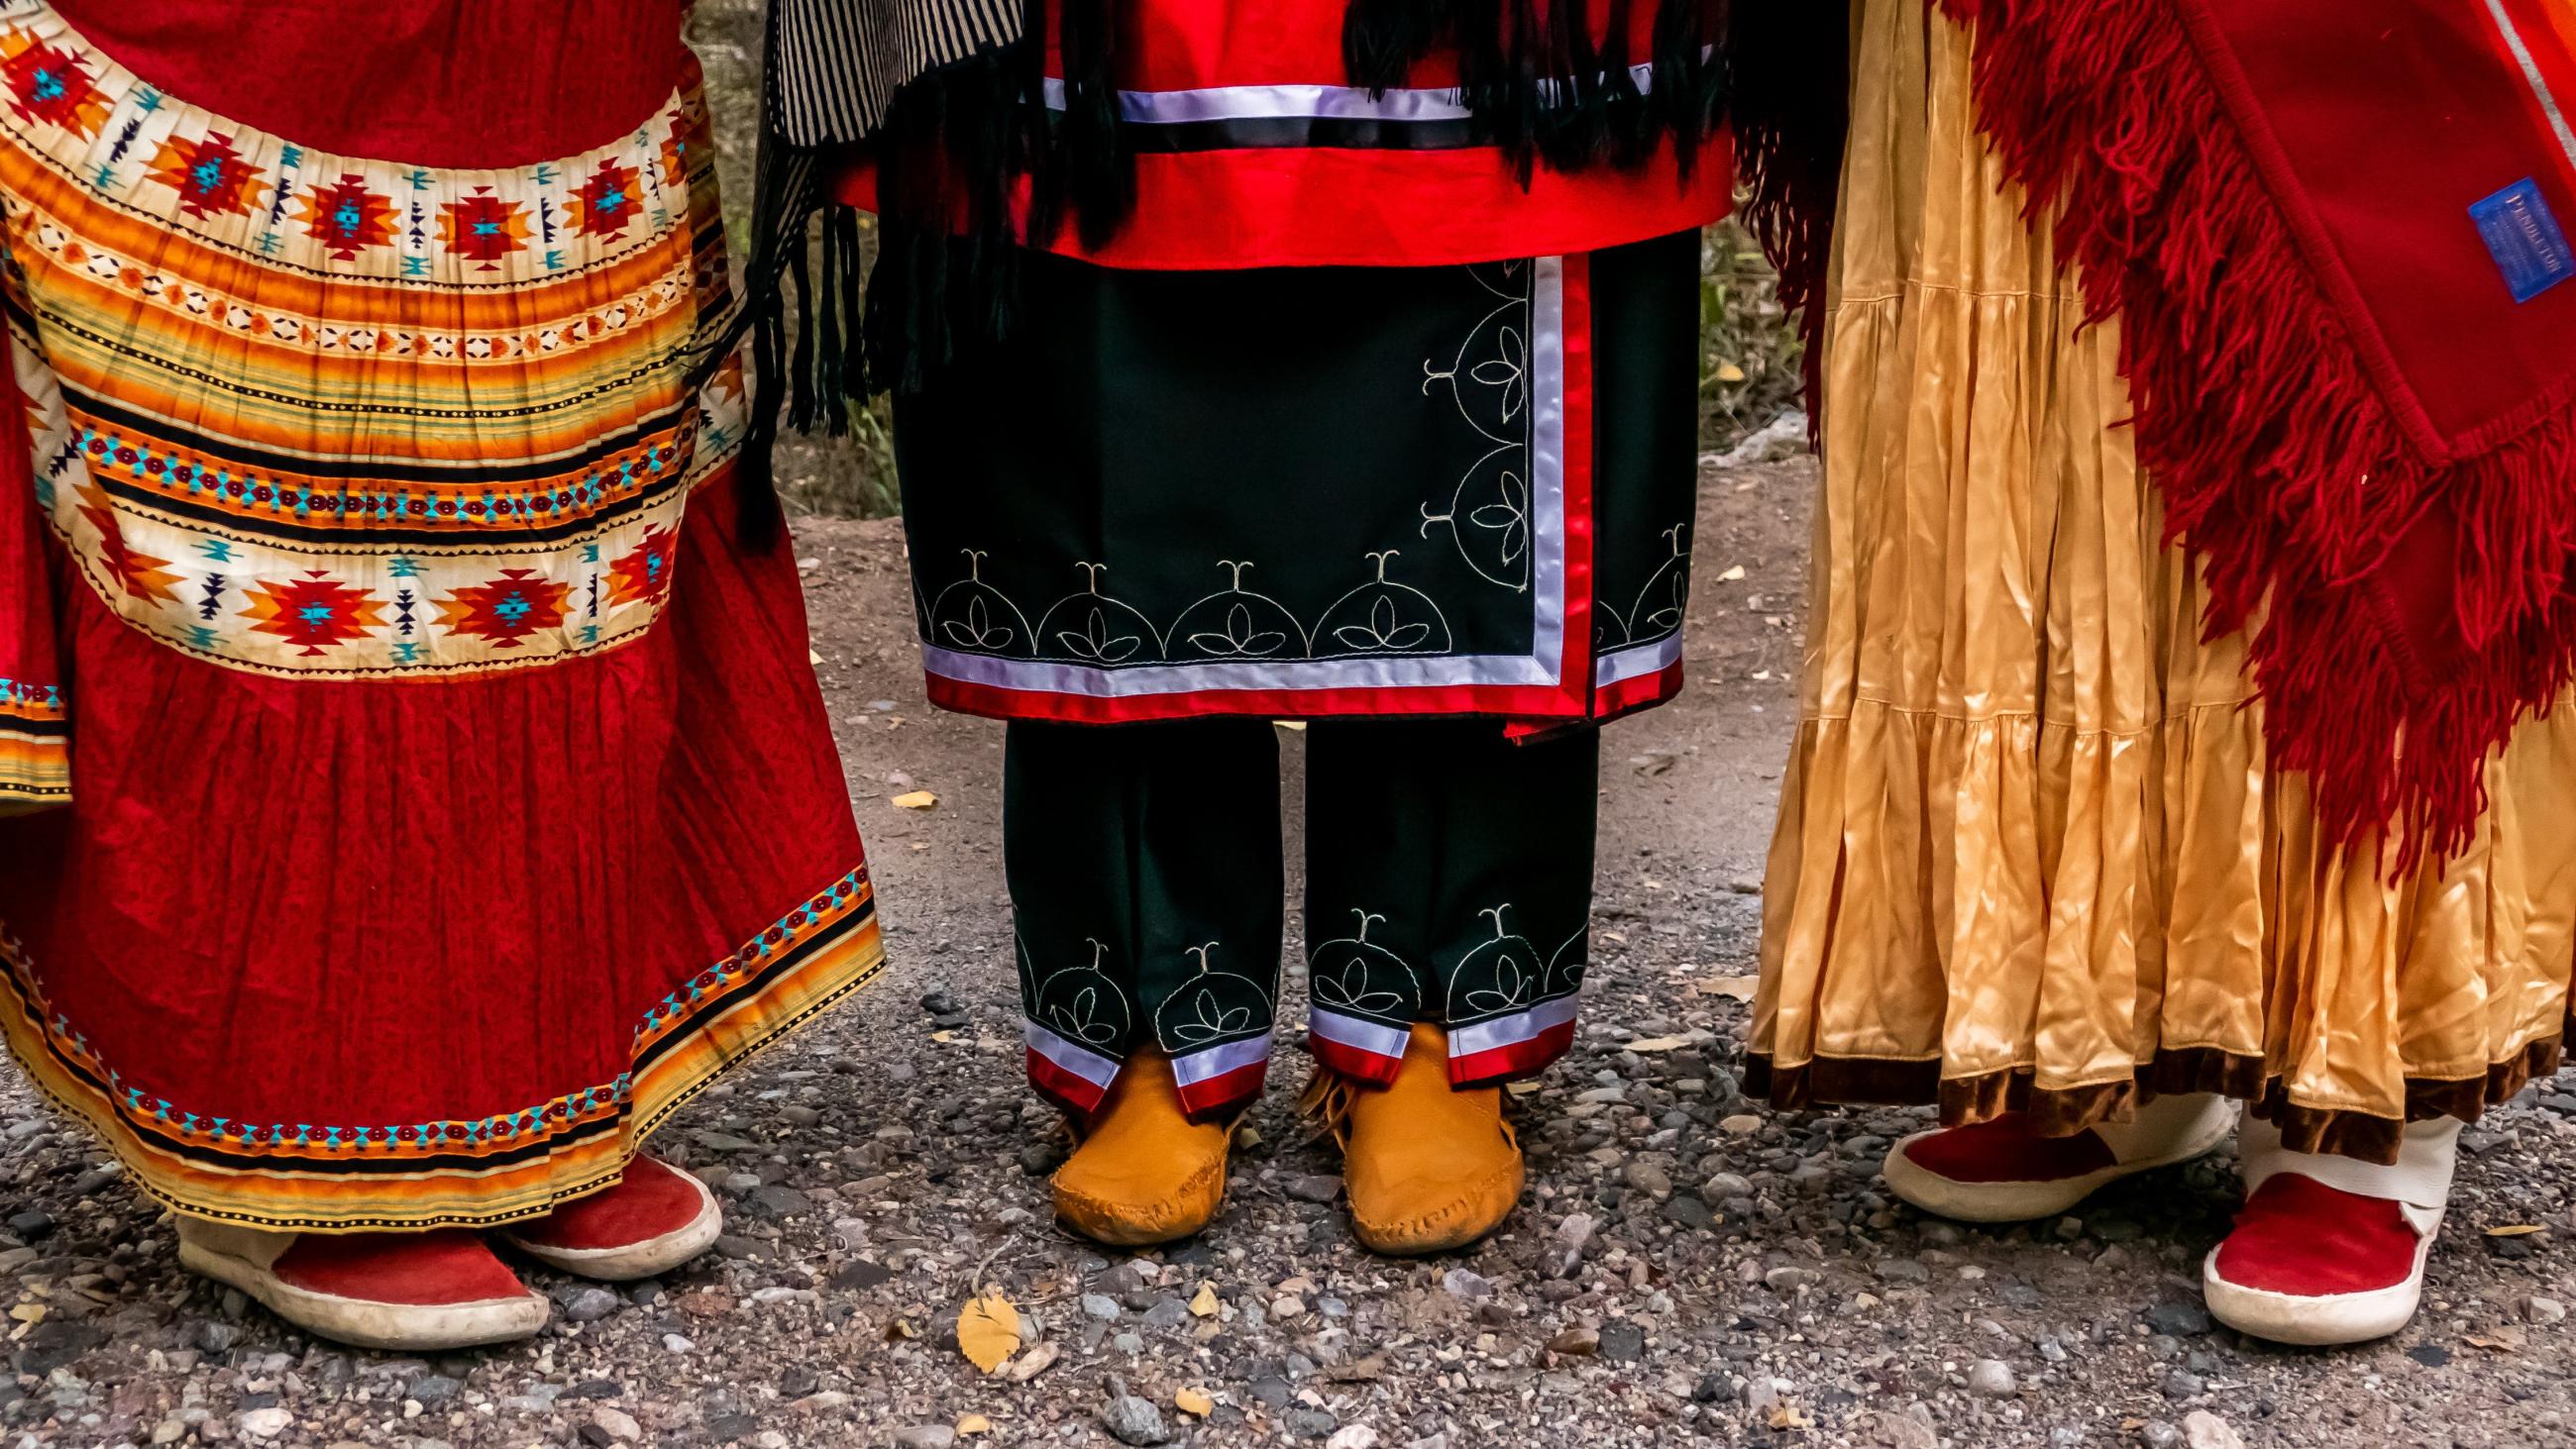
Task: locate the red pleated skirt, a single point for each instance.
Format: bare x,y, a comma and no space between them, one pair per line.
416,786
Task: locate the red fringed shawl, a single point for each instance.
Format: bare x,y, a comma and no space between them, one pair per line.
2335,233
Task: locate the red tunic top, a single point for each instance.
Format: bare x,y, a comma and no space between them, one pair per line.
1255,150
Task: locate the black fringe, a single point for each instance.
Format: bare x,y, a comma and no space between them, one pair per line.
1790,105
1547,89
1381,39
957,142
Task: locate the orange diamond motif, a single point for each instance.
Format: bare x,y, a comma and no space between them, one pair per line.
643,575
506,611
315,611
212,178
347,217
140,574
49,85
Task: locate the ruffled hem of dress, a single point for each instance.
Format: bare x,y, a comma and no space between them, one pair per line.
680,1053
2064,1111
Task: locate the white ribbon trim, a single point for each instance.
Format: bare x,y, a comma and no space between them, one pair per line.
1216,1061
1082,1062
1354,1032
2420,1180
1304,102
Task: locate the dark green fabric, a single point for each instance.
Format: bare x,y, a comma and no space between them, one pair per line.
1463,858
1133,851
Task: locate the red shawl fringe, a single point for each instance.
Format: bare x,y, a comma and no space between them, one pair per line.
2280,462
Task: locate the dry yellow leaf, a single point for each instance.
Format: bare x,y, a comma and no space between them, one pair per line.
1729,372
1204,1305
974,1424
988,1330
1194,1402
2501,1341
2517,1230
943,1036
28,1313
915,800
1659,1044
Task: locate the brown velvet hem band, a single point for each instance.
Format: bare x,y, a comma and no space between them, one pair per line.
1880,1081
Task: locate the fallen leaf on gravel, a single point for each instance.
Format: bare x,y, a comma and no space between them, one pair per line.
915,800
1522,1089
1359,1371
988,1330
2503,1340
1732,575
1204,1305
1733,988
901,1328
974,1424
1194,1403
1786,1416
1659,1044
2517,1230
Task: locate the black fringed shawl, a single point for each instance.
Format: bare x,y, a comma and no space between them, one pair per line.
948,97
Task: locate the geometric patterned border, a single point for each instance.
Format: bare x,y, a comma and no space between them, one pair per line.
466,1172
35,747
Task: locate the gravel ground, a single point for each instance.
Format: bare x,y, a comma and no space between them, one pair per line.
1684,1268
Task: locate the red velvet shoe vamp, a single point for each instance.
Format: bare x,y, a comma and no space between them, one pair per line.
2298,1236
414,1269
651,1201
2007,1150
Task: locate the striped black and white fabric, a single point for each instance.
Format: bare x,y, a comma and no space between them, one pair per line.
831,71
834,65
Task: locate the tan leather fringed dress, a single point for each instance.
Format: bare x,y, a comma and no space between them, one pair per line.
2030,854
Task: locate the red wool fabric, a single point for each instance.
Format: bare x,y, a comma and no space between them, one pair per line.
2009,1149
544,849
27,591
651,1201
325,940
448,1265
449,84
1314,206
2367,441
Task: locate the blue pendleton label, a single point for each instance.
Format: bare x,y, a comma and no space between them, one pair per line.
2525,239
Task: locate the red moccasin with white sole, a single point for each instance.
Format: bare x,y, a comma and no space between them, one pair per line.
2330,1250
651,1221
2002,1171
408,1292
